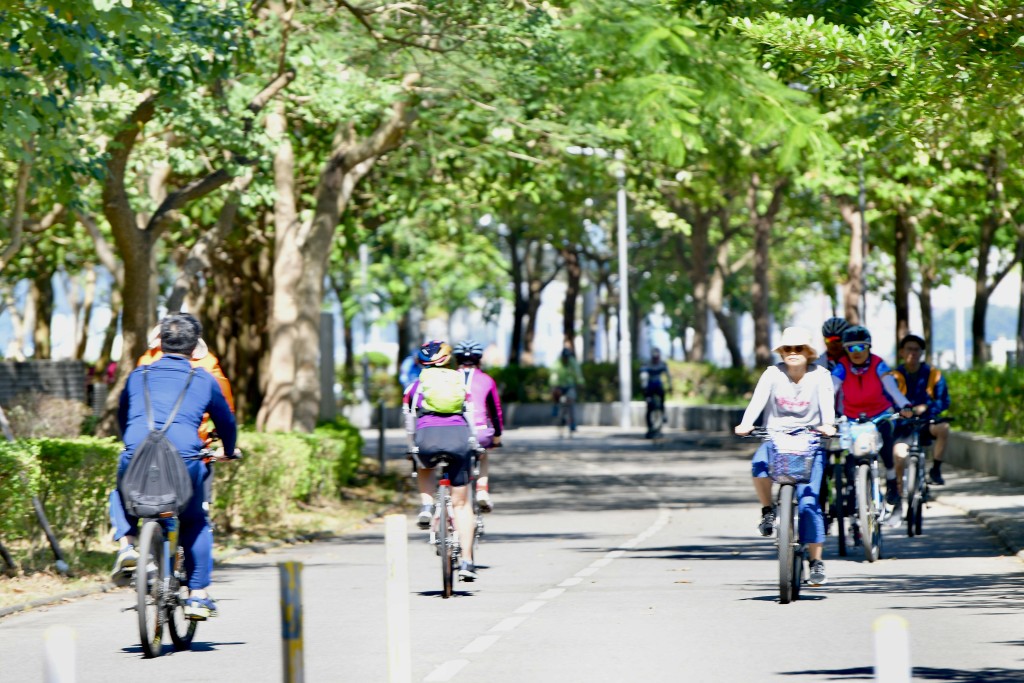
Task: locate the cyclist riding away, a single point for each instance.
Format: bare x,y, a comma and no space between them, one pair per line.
435,425
566,378
793,394
482,395
866,387
832,331
926,388
201,357
654,390
179,335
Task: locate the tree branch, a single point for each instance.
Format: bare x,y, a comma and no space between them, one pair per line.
103,251
18,219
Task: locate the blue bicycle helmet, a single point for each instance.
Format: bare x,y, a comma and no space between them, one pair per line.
434,353
856,334
469,351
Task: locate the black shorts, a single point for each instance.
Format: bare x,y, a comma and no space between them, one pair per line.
450,440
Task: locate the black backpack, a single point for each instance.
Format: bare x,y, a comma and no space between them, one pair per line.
156,481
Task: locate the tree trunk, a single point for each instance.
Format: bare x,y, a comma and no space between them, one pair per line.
574,274
42,296
979,352
88,301
302,250
904,234
515,347
925,301
761,289
698,270
16,344
853,288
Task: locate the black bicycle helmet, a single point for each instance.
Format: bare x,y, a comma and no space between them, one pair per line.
434,354
469,351
856,334
834,327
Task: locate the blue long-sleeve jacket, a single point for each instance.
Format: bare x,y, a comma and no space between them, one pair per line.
167,378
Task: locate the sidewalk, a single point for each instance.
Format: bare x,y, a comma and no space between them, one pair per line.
996,504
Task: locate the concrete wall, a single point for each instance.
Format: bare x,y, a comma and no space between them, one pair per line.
999,457
688,418
62,378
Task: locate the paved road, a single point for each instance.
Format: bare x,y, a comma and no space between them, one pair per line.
608,558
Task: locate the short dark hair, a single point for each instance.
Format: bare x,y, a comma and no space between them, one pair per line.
180,333
913,338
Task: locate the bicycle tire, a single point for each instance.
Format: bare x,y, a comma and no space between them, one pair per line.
918,520
150,591
444,541
182,629
866,513
785,544
911,494
840,504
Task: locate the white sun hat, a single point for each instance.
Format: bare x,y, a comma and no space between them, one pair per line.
798,336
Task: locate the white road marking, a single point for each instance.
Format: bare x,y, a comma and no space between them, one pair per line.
480,644
508,624
446,671
531,607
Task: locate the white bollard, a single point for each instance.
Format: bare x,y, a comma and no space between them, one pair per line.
396,544
892,650
59,654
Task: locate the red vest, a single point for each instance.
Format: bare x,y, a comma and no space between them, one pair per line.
863,393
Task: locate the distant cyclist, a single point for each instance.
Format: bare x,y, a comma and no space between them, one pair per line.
436,425
868,388
566,378
482,395
654,388
832,332
926,388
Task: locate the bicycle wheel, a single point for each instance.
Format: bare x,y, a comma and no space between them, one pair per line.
444,540
867,514
786,547
911,493
840,506
149,589
182,629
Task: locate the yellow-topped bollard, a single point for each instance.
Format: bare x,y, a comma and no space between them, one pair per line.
291,620
892,650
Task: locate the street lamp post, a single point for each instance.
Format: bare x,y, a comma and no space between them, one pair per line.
625,341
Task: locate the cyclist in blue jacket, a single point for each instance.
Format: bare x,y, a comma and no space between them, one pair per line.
179,334
925,388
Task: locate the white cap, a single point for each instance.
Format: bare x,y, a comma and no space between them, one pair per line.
797,336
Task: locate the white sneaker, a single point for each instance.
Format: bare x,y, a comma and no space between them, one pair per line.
483,499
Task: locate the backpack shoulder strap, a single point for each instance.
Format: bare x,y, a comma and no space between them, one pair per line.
177,404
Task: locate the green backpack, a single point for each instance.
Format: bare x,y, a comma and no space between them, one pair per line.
443,390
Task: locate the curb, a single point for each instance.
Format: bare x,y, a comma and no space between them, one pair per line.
246,550
999,525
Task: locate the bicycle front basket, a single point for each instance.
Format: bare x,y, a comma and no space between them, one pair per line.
792,463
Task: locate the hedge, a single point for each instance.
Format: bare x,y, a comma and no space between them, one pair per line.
988,401
73,478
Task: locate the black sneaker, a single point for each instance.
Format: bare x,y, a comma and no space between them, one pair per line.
892,494
817,576
935,474
767,524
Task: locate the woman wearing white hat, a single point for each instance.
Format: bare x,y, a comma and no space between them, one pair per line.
791,394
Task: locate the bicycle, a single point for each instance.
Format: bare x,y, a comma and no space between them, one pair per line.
915,486
655,415
833,499
478,513
565,411
790,463
443,531
863,442
161,584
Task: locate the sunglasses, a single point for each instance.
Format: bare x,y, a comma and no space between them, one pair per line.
793,349
857,348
